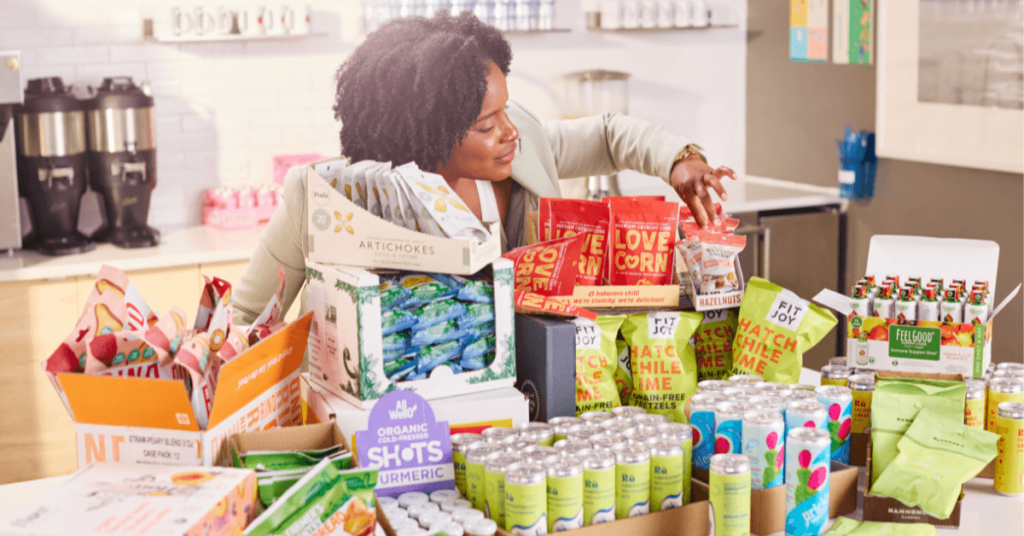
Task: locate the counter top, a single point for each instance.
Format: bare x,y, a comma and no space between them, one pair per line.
178,247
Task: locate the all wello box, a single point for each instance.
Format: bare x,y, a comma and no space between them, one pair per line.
114,499
346,352
340,232
923,346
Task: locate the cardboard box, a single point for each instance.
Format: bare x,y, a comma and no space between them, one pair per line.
768,506
345,342
305,437
546,365
889,510
117,499
146,421
953,348
465,413
342,233
859,448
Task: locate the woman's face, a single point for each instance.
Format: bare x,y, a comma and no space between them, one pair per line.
487,150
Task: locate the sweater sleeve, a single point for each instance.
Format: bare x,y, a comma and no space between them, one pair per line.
611,142
280,245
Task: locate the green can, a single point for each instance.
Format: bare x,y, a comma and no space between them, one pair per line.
461,443
598,486
729,492
526,499
561,425
682,434
540,433
632,481
666,473
565,494
476,457
494,484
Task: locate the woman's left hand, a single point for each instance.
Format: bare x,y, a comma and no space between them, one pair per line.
691,178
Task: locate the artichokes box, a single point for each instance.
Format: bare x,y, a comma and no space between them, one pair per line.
768,506
346,341
922,345
341,232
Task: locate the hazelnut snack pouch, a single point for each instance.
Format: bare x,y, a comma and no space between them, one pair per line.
712,343
548,268
718,261
641,236
663,361
596,363
568,217
775,328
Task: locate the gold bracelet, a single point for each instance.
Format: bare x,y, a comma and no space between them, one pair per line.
691,149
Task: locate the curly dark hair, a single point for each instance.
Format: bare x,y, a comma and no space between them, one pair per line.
413,89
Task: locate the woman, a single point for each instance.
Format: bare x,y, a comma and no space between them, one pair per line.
433,91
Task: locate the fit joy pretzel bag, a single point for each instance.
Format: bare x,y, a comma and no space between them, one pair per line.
663,361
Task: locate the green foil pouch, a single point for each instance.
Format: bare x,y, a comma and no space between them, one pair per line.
283,460
712,343
663,361
936,458
896,403
775,329
596,363
845,526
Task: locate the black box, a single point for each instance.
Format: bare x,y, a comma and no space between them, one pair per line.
546,365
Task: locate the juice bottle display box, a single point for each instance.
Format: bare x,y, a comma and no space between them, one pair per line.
340,232
505,407
922,346
346,340
258,389
116,499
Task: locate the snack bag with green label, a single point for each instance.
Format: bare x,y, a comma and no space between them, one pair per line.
596,363
663,361
281,460
325,500
776,327
712,343
845,526
896,403
623,374
936,458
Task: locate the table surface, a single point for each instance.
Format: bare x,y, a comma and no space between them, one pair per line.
984,512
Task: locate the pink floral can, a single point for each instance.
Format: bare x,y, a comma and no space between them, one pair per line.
764,444
808,461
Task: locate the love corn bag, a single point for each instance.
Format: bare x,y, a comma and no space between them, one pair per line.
663,361
641,237
775,328
936,458
548,268
712,343
596,363
570,217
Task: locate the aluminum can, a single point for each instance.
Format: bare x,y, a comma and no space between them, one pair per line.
683,435
835,375
666,473
806,414
442,495
1009,479
807,481
741,392
476,458
460,443
1002,390
581,431
598,416
839,361
974,406
768,388
862,387
714,385
649,419
729,426
838,401
496,434
702,419
764,443
538,453
767,402
607,441
494,484
565,494
526,499
561,426
627,411
598,486
569,447
617,425
745,378
540,432
638,436
632,481
729,493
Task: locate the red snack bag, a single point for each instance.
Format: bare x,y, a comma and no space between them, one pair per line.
548,268
686,214
642,235
725,226
544,219
607,200
569,217
533,303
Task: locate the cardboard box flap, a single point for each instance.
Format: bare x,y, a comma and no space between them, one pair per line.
307,437
920,256
259,368
133,402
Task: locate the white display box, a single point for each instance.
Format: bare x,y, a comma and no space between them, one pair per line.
346,347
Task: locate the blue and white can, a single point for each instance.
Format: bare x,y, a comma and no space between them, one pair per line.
729,426
808,469
764,443
701,412
838,401
805,414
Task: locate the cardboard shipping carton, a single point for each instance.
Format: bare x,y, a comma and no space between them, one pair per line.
305,437
470,413
117,499
340,232
923,346
346,340
146,421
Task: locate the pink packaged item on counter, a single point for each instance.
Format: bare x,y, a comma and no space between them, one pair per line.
240,208
284,162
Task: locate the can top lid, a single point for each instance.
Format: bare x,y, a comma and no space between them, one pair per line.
745,378
976,384
1000,366
563,467
772,386
534,427
861,382
627,411
809,435
767,400
742,391
497,433
649,419
1010,410
734,406
833,390
564,421
466,439
498,462
1006,385
800,394
597,416
631,454
675,430
730,464
806,406
708,398
596,459
835,371
714,385
525,472
663,446
760,416
478,453
480,527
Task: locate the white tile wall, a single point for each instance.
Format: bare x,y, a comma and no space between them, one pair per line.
225,109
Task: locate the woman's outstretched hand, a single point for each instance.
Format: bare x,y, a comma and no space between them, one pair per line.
692,178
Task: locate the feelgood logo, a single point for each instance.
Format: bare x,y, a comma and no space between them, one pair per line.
914,337
402,411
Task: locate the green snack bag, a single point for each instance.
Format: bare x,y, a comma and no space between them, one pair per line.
845,526
282,460
712,343
623,374
896,403
325,497
271,485
936,458
775,328
663,361
596,363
